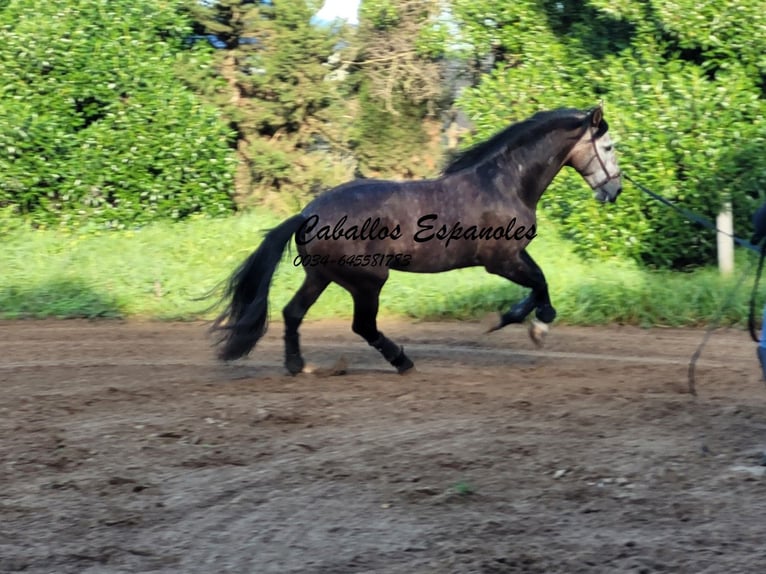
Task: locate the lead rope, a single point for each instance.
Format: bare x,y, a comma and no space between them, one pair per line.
692,383
713,326
691,216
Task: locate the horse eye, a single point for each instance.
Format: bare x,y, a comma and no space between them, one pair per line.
608,147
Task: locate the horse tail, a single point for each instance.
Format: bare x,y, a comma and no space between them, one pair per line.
245,318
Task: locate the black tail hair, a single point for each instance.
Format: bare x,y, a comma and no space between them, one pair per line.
245,318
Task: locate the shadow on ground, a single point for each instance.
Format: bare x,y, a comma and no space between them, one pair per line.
62,298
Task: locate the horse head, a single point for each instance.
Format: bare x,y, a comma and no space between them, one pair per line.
594,158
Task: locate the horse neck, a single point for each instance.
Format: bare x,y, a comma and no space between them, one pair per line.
531,168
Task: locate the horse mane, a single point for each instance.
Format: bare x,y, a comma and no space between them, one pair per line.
516,135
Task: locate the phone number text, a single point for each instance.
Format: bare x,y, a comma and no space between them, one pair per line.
364,260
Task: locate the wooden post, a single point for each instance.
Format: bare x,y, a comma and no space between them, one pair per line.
725,239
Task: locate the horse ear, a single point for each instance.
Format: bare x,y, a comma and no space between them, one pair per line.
596,115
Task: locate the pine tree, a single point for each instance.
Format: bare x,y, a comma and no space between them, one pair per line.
400,73
282,98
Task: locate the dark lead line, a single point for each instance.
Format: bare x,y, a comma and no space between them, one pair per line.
714,324
692,216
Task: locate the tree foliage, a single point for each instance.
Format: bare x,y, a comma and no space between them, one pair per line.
282,94
683,82
109,113
315,104
399,74
398,48
94,124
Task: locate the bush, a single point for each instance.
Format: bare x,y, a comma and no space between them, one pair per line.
95,124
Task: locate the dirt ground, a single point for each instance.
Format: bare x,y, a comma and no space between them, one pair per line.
125,447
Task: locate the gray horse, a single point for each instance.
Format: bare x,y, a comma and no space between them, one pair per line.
479,212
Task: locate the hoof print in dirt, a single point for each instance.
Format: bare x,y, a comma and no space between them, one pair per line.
339,368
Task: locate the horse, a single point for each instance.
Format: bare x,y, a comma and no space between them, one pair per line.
480,211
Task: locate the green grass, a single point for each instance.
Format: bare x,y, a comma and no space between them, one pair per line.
162,270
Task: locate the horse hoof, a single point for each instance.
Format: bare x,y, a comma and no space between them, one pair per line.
492,322
546,313
538,331
294,364
402,362
407,371
404,365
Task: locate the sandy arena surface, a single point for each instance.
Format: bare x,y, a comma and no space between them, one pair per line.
127,448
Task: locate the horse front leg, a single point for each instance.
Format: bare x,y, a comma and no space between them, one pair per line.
523,271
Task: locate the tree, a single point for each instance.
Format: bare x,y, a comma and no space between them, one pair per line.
96,125
282,97
399,69
400,51
315,104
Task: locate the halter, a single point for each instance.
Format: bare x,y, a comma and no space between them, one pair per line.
602,164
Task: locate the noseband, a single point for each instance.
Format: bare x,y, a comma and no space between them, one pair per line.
608,177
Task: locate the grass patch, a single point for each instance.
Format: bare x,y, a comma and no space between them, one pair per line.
162,270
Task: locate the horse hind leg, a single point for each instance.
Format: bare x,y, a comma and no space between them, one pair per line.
366,302
365,325
294,312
